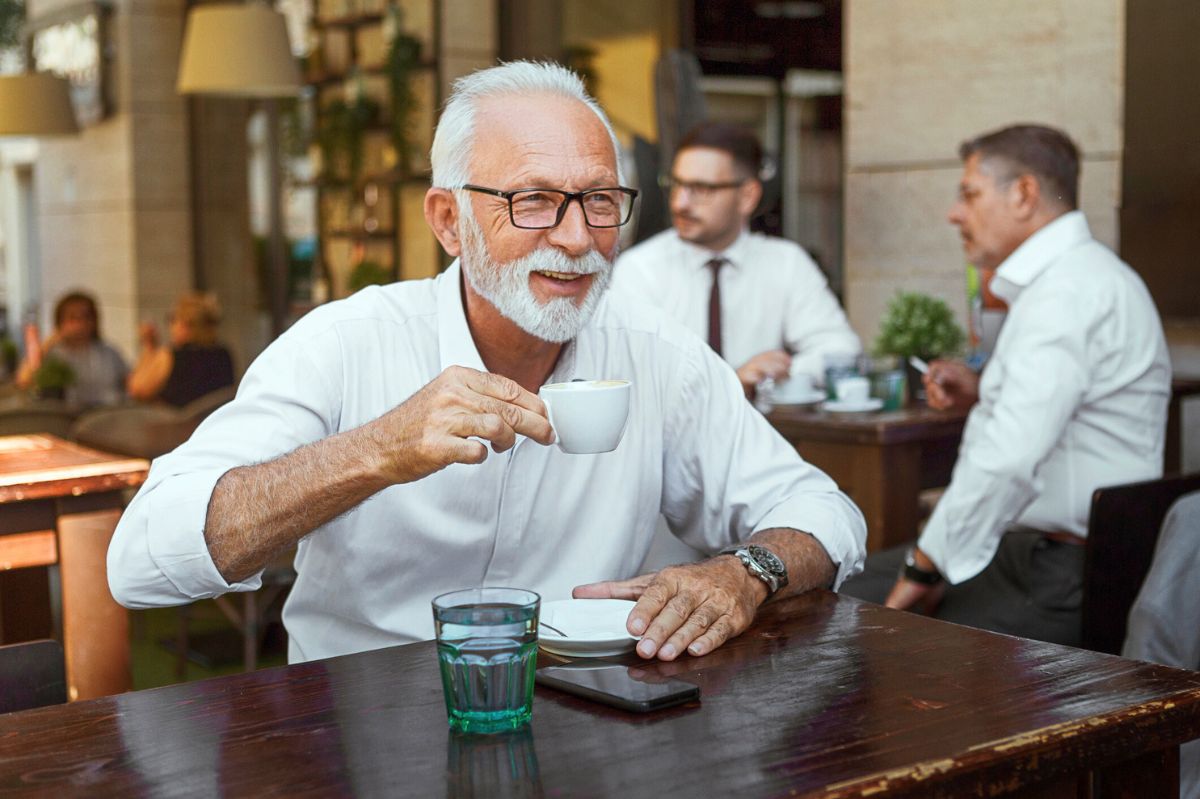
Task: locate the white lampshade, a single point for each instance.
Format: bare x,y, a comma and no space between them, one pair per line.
239,51
36,104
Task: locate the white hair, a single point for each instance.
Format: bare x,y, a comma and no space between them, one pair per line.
454,139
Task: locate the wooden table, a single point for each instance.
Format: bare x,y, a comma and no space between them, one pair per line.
882,460
59,505
824,696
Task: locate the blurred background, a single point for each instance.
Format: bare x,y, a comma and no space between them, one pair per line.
279,198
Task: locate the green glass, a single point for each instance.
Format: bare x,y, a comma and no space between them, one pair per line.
487,652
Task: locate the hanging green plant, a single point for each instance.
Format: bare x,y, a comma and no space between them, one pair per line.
340,135
404,56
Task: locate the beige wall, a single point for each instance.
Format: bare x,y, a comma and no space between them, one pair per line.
921,76
113,203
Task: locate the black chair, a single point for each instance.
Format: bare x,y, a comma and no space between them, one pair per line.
32,674
1122,532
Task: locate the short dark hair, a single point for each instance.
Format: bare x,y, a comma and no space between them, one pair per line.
82,298
1044,152
740,143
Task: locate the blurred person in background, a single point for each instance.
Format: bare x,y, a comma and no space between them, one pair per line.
760,301
98,371
192,364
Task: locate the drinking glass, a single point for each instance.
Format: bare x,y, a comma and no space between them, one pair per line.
487,651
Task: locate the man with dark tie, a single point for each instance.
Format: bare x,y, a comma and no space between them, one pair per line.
761,302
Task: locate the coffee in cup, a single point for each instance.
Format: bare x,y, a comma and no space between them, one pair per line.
588,416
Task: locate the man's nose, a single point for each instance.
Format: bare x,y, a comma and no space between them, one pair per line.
572,235
954,216
679,199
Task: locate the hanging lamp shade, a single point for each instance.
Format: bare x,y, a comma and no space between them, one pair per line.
36,104
238,51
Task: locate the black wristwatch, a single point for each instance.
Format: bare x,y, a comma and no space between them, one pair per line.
915,573
762,563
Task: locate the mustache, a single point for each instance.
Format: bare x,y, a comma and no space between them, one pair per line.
549,259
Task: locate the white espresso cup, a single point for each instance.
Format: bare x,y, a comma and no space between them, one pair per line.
587,415
795,388
853,389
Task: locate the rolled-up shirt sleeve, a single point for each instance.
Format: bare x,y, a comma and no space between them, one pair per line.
158,555
728,474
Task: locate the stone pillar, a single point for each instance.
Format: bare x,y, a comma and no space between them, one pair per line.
921,76
113,204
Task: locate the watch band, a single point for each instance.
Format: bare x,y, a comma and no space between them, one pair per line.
762,563
914,573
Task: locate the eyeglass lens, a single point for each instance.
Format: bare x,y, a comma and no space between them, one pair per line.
544,208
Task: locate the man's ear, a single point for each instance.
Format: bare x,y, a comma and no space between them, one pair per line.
1026,195
749,196
441,214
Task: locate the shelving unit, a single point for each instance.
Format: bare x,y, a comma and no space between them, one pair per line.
374,213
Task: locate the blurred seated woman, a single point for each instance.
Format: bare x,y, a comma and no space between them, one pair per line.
98,371
193,365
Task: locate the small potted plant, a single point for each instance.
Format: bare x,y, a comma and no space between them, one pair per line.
921,325
52,378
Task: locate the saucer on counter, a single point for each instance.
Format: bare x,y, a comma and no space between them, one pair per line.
852,406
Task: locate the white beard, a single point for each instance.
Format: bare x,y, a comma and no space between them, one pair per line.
506,286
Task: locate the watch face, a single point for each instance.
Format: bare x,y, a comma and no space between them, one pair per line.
768,560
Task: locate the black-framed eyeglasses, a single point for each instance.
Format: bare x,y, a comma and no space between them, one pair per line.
699,190
539,209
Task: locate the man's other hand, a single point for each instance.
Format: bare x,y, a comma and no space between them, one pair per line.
773,364
441,424
695,607
950,384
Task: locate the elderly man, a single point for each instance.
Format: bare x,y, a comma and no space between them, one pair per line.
761,301
1073,398
361,434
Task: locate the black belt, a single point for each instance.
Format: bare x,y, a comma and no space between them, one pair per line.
1059,536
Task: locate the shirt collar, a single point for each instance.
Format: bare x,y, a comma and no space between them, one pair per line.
734,254
1037,253
456,345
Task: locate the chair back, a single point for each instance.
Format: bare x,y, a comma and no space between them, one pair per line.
32,674
198,409
139,431
1122,533
50,418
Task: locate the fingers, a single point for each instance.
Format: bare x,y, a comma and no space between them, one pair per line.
708,627
693,608
666,609
614,589
522,411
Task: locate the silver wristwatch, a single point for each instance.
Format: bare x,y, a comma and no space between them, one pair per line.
762,563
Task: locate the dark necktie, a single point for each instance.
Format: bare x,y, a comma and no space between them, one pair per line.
714,304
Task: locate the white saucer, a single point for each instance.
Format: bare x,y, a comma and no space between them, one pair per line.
852,406
810,398
594,627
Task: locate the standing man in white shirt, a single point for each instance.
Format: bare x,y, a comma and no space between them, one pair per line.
760,302
1073,398
362,433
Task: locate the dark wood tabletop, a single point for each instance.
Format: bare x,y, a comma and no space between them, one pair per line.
915,423
824,696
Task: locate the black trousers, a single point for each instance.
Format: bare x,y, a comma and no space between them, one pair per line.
1033,588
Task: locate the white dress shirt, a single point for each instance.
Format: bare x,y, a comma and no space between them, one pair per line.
773,296
532,517
1073,398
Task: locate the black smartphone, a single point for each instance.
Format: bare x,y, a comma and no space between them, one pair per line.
611,684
